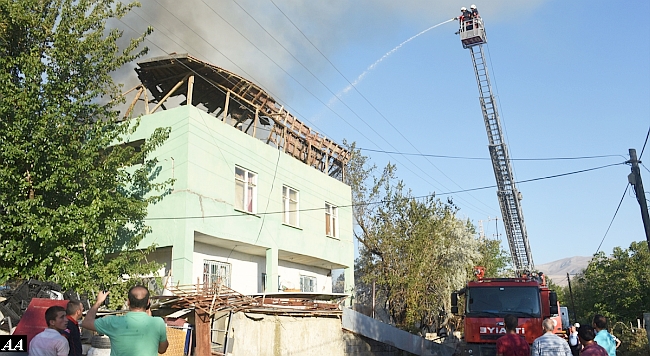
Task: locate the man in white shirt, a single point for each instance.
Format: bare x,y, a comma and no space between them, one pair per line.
550,344
50,342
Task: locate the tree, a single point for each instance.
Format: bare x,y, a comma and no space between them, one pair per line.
70,195
417,251
617,286
497,262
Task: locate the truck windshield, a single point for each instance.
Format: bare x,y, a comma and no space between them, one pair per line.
522,301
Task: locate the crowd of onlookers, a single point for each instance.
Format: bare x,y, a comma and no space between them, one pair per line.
138,333
134,333
583,340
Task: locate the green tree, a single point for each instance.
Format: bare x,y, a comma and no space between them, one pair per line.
497,261
69,196
417,251
617,286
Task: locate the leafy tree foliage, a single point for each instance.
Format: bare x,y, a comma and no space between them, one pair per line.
416,251
497,262
617,286
69,197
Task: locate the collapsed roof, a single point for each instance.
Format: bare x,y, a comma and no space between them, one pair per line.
238,102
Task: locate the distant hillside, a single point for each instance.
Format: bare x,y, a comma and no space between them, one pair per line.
557,270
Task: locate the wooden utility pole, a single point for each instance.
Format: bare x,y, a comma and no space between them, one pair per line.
573,303
635,179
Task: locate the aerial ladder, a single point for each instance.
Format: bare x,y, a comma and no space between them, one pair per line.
472,36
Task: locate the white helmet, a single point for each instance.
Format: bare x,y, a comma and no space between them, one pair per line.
473,7
463,8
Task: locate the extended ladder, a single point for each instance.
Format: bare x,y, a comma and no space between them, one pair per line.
509,197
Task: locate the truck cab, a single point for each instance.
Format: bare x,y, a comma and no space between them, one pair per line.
488,300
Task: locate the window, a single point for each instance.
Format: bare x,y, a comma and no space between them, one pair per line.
307,284
290,204
245,190
331,220
216,273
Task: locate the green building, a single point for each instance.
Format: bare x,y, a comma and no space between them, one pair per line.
259,202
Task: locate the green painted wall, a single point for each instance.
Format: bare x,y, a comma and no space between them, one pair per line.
201,154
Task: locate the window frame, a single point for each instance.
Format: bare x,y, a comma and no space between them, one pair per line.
250,179
331,220
286,202
214,278
304,278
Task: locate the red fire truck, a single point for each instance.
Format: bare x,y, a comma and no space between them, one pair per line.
487,300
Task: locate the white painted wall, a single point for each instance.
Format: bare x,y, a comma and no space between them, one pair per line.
246,270
290,273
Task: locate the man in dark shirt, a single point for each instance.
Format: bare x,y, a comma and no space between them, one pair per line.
512,344
586,335
74,311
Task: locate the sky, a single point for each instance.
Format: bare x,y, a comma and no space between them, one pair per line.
572,79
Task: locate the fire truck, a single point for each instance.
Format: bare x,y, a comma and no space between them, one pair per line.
487,300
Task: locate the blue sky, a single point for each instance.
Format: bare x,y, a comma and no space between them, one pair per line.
572,79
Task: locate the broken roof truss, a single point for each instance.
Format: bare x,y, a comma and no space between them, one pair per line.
235,101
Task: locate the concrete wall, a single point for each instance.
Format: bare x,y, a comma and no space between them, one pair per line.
357,345
269,335
368,327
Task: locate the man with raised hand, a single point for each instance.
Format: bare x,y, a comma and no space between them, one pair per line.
136,332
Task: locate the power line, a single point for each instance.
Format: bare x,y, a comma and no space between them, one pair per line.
613,217
385,201
487,159
646,168
645,142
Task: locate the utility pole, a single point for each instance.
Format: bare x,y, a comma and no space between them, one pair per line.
635,179
573,303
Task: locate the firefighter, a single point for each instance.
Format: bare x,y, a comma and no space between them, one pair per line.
465,16
474,12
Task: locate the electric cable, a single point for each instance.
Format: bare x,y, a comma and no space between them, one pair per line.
488,159
385,201
646,168
613,217
644,143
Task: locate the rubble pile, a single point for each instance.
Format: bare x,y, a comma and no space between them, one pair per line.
14,302
218,298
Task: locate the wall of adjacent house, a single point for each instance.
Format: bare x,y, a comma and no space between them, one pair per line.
270,335
201,154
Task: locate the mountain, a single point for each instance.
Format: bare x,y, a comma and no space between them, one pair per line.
557,270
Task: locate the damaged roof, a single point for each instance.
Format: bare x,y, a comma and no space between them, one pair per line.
238,102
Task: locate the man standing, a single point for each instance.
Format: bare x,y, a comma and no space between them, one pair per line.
136,332
512,344
574,342
49,342
550,344
603,338
586,335
73,311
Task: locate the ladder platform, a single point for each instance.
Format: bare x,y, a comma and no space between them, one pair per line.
472,33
